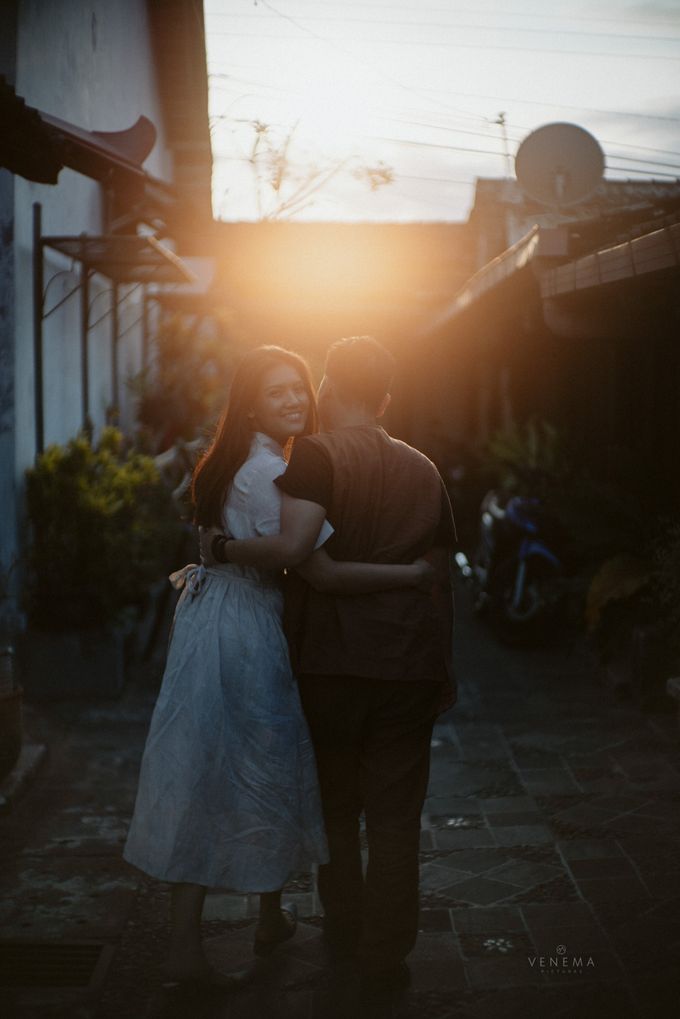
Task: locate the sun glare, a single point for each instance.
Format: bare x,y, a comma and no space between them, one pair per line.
335,84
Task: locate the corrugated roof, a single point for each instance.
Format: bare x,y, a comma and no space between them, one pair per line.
654,252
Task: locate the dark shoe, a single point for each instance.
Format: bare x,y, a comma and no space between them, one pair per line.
264,946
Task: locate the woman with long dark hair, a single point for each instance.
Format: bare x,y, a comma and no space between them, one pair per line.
228,794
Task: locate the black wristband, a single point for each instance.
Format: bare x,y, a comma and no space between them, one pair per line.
217,548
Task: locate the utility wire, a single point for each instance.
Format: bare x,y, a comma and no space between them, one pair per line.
462,131
455,25
437,180
489,152
435,145
456,131
445,45
631,169
447,111
553,106
355,58
527,102
344,4
521,127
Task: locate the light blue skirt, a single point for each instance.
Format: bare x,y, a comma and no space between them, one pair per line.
228,794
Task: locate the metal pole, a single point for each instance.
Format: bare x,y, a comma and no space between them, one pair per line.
38,328
114,348
502,123
84,328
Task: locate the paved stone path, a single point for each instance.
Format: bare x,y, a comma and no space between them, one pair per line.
550,862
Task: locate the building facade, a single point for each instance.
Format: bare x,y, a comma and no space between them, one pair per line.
573,316
90,91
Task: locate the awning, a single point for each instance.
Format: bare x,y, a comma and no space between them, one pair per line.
37,146
125,258
27,146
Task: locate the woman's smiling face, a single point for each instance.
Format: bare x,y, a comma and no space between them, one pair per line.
282,404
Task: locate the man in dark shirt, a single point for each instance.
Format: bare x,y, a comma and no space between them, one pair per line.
373,669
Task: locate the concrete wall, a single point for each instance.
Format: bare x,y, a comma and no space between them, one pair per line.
88,62
8,514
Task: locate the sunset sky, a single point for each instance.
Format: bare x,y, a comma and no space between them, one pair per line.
414,90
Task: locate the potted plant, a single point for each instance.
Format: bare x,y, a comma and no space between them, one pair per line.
103,526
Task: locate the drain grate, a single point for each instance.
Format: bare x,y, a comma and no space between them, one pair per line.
56,964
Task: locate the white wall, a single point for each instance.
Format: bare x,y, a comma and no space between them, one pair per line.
88,62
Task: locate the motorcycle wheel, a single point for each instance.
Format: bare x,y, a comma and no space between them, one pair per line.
523,623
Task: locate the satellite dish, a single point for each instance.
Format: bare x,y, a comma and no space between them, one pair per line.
559,164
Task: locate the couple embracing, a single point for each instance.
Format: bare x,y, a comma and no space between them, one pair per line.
293,703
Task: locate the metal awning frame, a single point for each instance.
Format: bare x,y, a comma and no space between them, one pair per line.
155,260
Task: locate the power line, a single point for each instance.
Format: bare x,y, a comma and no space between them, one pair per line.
533,102
454,46
437,180
640,148
462,131
435,145
376,112
630,169
521,127
647,162
489,152
465,114
534,15
353,56
453,24
224,157
553,106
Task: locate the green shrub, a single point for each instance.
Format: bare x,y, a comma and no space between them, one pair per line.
527,453
103,527
186,387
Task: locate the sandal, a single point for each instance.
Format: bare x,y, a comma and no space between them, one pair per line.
264,946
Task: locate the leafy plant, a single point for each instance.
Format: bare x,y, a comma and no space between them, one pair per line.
103,525
666,580
527,455
186,386
618,580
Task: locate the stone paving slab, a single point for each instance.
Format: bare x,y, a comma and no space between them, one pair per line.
58,898
451,839
497,918
12,786
552,821
522,835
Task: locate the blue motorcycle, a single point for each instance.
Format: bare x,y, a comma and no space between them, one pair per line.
515,575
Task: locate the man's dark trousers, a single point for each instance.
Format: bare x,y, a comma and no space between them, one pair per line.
372,743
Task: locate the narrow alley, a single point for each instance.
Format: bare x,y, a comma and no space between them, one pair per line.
550,864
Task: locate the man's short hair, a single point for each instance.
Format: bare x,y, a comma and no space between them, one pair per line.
361,370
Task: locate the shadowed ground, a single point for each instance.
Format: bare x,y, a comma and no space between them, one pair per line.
550,863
